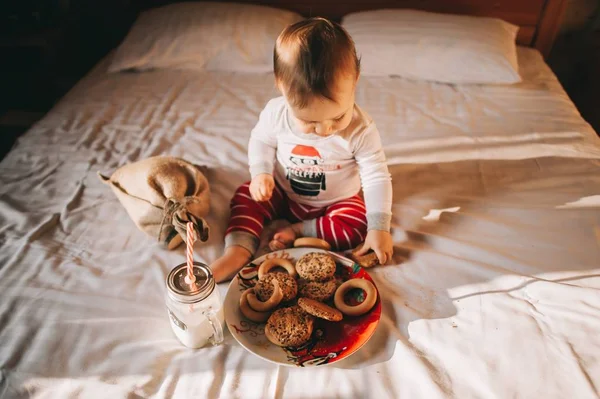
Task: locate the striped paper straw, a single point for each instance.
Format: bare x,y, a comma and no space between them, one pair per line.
191,237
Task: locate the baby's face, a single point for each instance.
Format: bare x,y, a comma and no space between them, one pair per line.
324,117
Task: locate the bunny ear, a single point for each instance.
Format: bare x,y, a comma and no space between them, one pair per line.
200,227
202,230
104,179
170,209
180,219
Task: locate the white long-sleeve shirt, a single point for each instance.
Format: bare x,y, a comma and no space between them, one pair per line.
320,171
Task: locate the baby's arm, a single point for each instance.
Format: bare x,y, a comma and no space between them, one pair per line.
377,189
375,178
261,157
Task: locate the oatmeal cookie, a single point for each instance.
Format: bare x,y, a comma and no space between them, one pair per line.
316,266
289,327
318,290
320,310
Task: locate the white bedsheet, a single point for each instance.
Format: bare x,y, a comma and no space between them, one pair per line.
494,291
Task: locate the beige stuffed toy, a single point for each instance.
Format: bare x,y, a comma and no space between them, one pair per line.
161,194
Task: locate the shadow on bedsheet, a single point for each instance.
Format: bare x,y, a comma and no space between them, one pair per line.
452,211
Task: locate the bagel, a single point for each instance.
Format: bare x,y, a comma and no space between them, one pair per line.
269,264
248,312
361,308
288,285
274,300
312,242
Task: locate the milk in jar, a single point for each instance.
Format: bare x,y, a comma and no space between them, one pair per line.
195,310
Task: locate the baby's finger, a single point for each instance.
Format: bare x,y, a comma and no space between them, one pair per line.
253,194
387,258
261,193
380,256
363,250
390,255
275,245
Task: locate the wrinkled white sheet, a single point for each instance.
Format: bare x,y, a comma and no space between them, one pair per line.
494,291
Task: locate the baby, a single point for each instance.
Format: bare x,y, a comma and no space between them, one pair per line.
309,153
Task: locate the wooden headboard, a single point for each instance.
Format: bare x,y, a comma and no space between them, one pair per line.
539,20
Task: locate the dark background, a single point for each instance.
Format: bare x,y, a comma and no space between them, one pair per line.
46,46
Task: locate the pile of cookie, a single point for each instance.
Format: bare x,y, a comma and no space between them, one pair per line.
289,301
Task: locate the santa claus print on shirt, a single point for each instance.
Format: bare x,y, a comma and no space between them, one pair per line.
307,176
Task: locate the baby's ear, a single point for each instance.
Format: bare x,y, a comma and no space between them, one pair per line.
279,86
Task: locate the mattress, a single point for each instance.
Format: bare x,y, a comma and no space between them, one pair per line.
493,290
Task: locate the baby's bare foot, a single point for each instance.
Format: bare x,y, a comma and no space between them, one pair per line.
230,263
283,238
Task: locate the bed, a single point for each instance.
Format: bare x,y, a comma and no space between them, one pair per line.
494,286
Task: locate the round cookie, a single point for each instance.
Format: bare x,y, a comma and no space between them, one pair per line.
289,327
317,290
316,266
320,310
264,287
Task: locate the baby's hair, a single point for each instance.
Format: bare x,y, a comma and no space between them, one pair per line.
310,55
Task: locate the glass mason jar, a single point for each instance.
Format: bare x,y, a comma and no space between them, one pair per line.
195,310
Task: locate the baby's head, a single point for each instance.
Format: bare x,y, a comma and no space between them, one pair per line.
316,69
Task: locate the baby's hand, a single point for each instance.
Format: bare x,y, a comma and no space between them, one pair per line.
261,187
380,242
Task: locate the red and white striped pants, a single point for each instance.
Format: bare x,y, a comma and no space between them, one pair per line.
343,225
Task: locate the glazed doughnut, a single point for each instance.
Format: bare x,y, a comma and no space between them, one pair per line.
248,312
271,263
361,308
274,300
312,242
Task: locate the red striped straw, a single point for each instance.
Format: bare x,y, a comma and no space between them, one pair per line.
191,237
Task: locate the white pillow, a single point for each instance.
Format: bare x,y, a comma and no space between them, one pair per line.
205,35
437,47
